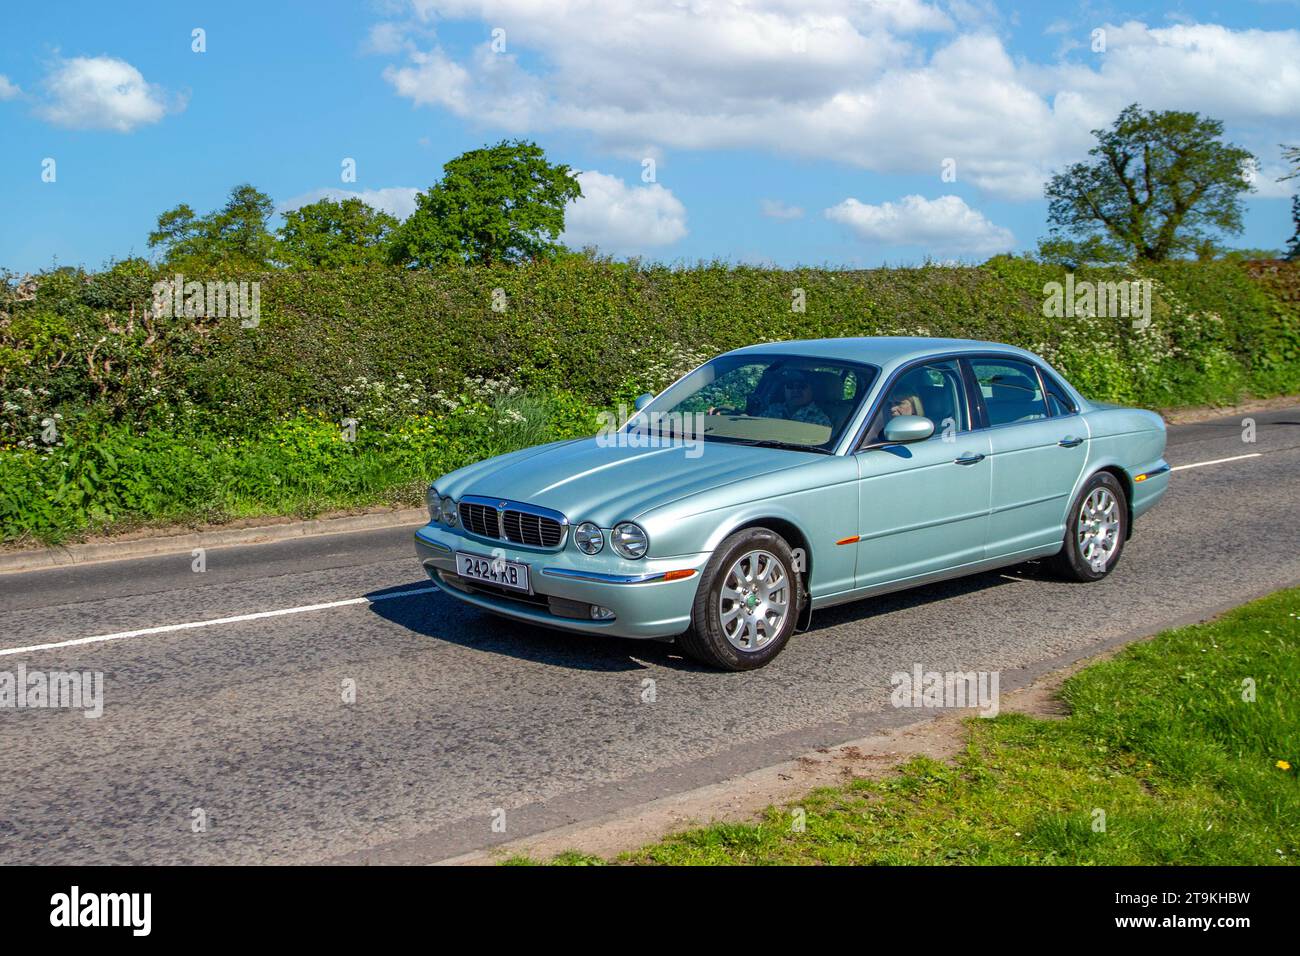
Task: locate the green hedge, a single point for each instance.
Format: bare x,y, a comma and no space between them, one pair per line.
83,344
121,476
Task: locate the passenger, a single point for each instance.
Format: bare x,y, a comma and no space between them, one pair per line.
798,405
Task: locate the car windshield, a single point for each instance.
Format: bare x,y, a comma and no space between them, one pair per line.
777,400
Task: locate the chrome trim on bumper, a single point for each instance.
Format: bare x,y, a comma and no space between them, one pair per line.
438,545
602,578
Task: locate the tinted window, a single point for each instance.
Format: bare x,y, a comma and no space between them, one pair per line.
1059,402
933,391
1010,389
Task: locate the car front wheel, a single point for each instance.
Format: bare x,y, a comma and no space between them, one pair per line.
1095,529
747,603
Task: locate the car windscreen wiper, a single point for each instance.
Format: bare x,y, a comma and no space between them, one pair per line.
776,443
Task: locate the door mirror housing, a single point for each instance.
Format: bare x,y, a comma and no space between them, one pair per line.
643,400
908,428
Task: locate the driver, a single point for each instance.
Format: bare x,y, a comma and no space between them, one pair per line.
907,403
798,405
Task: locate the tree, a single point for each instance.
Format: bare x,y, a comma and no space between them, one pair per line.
232,237
504,203
1291,154
1077,253
329,234
1160,185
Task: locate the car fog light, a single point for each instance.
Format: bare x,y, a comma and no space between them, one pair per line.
599,613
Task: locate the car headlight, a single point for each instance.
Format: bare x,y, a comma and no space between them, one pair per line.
432,502
448,509
629,540
588,538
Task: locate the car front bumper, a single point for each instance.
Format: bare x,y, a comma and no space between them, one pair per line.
565,584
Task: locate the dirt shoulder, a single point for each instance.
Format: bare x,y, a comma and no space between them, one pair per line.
1191,414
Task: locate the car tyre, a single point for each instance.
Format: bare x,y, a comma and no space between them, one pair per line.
1095,529
747,604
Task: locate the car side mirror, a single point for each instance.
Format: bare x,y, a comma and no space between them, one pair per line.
643,400
908,428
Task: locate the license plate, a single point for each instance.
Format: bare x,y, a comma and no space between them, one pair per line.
479,567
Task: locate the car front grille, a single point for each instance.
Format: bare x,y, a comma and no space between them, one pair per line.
517,523
524,528
479,519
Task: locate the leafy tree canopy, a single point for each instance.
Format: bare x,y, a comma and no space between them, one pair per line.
1291,154
232,237
504,203
329,234
1160,184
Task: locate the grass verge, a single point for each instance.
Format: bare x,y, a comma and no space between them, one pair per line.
1183,749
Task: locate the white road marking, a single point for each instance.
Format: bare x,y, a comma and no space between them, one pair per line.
190,625
1217,461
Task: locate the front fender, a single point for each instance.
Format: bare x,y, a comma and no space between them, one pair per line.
821,507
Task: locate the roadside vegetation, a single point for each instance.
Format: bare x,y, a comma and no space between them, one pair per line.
1184,749
112,417
384,353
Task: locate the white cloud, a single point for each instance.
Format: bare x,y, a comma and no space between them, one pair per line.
7,90
491,90
842,80
102,92
622,219
943,225
398,201
1269,182
1244,76
386,38
779,209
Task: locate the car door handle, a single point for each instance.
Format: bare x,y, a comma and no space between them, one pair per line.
1069,441
968,459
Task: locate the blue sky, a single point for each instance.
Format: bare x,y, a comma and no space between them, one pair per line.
786,131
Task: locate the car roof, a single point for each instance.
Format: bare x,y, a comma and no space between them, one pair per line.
885,351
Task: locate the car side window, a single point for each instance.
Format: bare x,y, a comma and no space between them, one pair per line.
1010,389
1057,400
932,390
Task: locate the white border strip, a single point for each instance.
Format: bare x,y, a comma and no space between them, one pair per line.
1217,461
190,625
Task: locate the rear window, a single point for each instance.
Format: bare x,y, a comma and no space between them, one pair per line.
1010,389
1058,400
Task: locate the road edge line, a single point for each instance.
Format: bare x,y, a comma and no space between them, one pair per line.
45,558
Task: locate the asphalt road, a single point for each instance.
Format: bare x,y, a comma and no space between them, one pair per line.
461,720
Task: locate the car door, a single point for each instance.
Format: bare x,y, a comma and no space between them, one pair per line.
922,506
1039,445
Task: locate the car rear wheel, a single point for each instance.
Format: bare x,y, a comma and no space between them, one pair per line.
1095,530
747,603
